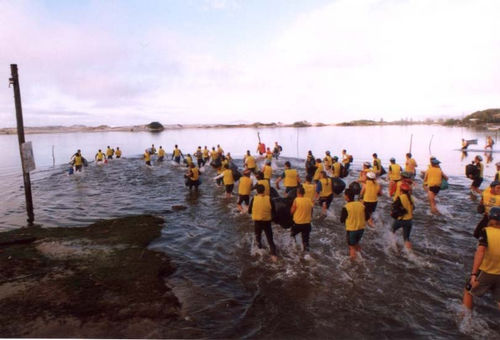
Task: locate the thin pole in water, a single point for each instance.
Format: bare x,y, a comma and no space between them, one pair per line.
411,140
430,153
20,134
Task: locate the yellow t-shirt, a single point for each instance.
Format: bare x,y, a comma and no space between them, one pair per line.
303,212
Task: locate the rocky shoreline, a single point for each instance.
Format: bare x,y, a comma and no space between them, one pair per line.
99,281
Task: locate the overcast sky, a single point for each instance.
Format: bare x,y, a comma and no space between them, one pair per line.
215,61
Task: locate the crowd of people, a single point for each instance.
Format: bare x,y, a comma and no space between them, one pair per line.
361,197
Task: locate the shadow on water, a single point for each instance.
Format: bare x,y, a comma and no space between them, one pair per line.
232,289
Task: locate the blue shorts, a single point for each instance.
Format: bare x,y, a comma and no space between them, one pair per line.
353,237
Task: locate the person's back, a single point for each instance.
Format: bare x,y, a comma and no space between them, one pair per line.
265,184
434,176
355,216
303,213
309,190
371,191
245,185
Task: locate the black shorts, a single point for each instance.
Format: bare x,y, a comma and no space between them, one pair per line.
148,163
252,170
110,157
370,208
435,189
288,189
78,168
229,188
476,183
328,200
118,156
353,237
177,159
244,198
406,225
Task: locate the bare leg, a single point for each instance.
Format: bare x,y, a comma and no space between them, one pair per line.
468,300
352,252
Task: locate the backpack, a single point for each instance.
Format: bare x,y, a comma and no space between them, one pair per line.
471,171
397,209
343,171
382,171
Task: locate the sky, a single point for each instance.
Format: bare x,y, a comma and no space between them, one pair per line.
228,61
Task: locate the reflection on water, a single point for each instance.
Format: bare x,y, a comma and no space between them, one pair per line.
229,288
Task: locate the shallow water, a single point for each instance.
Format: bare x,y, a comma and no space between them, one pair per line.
231,289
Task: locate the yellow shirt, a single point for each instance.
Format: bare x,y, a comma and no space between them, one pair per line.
268,171
434,176
336,169
326,187
261,208
303,212
310,190
491,260
377,165
394,172
327,161
147,157
195,174
371,191
489,200
355,216
290,179
250,162
245,185
176,152
118,153
405,202
205,153
109,152
319,168
161,153
100,156
228,177
410,165
267,188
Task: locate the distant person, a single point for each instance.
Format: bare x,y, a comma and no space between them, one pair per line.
301,211
261,148
319,169
489,143
269,154
193,177
362,174
354,216
411,165
327,161
161,154
336,167
250,163
261,208
433,179
267,170
177,154
485,273
310,164
220,151
147,157
77,161
188,160
152,151
277,150
346,160
394,175
199,157
118,152
99,156
290,178
324,192
228,179
109,152
377,165
476,181
465,144
206,155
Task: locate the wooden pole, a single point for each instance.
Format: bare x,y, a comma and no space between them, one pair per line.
411,140
20,134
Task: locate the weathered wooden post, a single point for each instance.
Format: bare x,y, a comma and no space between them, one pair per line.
24,148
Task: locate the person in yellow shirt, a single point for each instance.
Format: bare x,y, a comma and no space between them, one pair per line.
267,170
99,156
354,216
228,179
346,159
485,274
490,198
118,152
363,172
177,154
147,157
433,179
301,211
410,165
250,163
244,189
370,193
324,192
77,160
405,220
198,154
309,188
291,178
220,151
109,152
192,177
262,208
476,182
260,180
319,169
394,175
377,165
206,155
161,154
336,167
327,161
269,154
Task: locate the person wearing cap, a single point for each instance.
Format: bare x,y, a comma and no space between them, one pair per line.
405,200
327,161
244,189
324,192
290,178
476,182
405,178
433,178
489,198
262,208
485,274
394,175
364,171
267,170
353,214
336,167
410,165
369,195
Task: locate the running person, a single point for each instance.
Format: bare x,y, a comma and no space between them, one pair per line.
433,179
411,165
177,154
261,208
476,182
228,179
109,152
193,177
354,216
147,157
370,192
324,192
290,178
301,211
267,170
161,154
250,162
244,189
99,156
118,152
405,200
